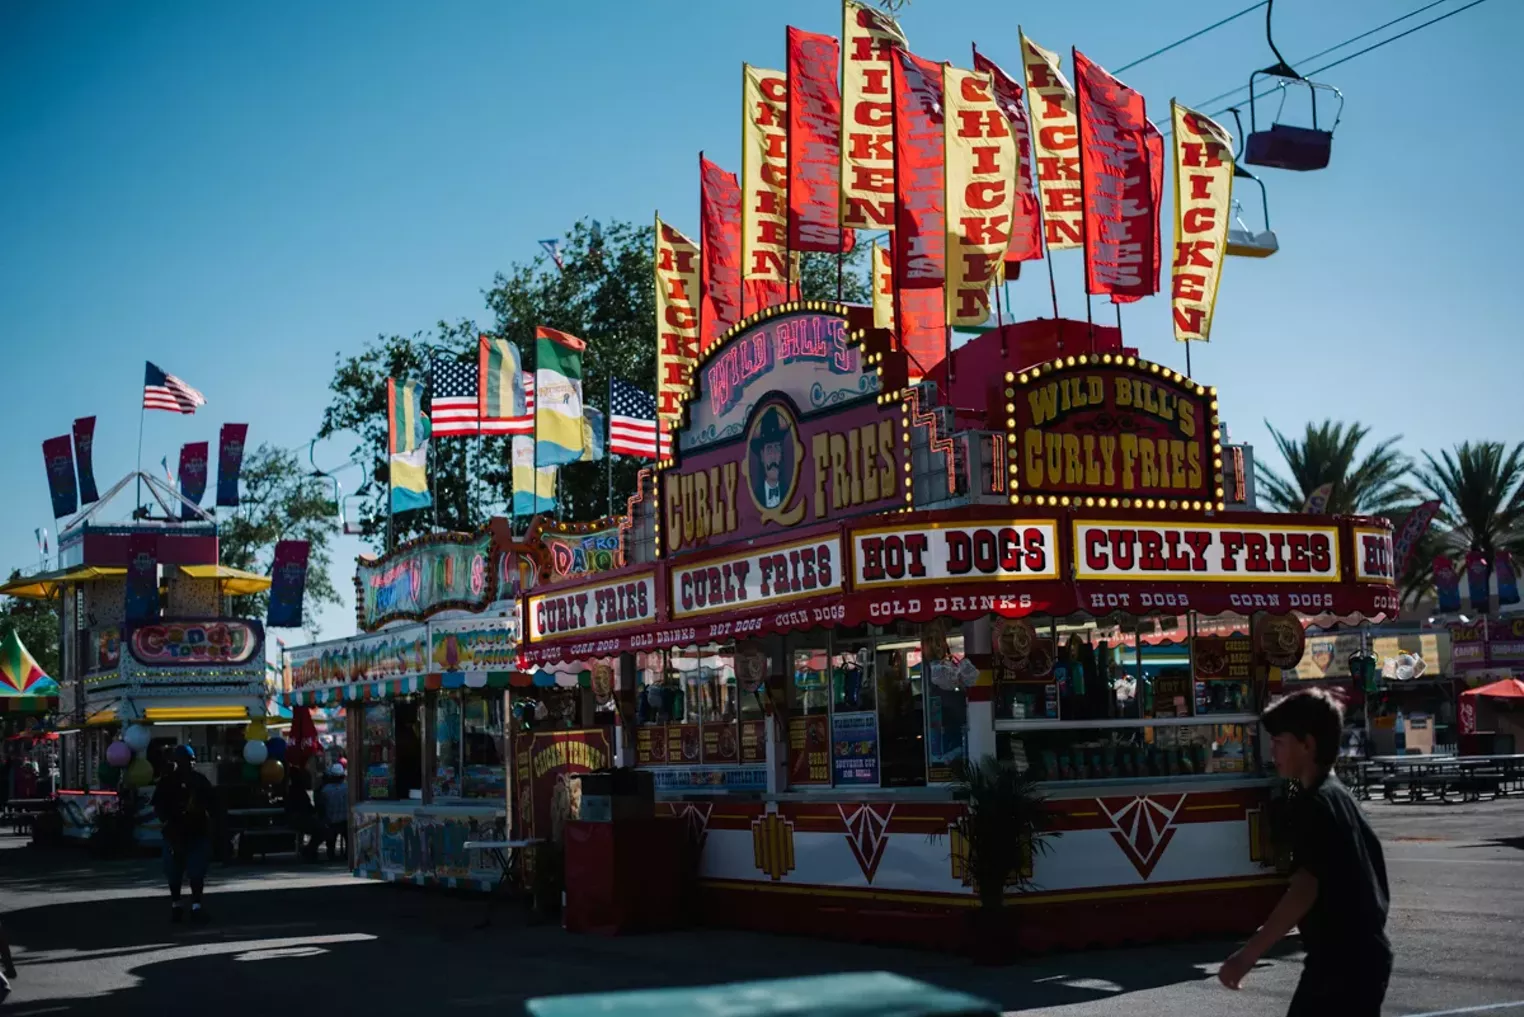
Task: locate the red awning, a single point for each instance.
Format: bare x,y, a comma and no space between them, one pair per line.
1508,688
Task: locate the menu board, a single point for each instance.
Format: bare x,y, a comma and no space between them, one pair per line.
683,743
1230,657
650,745
753,741
809,756
854,748
720,743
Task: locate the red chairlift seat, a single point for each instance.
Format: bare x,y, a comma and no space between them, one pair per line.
1286,146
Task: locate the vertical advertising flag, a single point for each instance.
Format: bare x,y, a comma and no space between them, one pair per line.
142,578
1317,500
501,388
1055,146
1478,581
84,459
408,445
534,488
288,582
869,38
1203,204
1410,532
593,431
58,457
720,212
193,456
920,247
980,178
1446,584
814,145
1026,217
558,432
764,189
883,286
1120,217
230,462
1508,580
1153,142
677,317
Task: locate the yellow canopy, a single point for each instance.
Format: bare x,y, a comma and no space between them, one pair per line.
235,582
45,584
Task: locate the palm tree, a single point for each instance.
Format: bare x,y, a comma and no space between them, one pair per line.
1480,487
1329,453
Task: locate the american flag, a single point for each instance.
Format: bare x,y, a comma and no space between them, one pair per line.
166,392
516,425
453,406
632,422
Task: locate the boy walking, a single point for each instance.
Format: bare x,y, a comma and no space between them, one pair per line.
184,803
1338,894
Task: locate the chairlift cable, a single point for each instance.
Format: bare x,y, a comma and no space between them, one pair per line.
1345,59
1321,53
1195,35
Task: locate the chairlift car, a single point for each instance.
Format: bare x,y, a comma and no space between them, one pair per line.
349,511
1243,240
1286,146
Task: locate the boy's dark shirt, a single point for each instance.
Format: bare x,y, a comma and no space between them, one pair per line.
184,801
1333,843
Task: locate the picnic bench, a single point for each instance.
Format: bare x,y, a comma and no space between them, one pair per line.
258,831
19,813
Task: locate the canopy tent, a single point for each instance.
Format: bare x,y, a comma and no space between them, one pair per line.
234,582
44,585
24,687
1507,688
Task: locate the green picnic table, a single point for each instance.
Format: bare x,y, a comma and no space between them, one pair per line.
878,993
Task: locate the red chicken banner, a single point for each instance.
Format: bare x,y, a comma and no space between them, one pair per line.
765,273
720,284
920,248
883,286
1055,145
1120,216
982,162
1155,142
1026,219
814,145
869,38
1203,204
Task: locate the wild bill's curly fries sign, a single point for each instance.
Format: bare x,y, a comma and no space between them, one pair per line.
1115,428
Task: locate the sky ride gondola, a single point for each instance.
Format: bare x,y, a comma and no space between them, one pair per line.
1243,240
1287,146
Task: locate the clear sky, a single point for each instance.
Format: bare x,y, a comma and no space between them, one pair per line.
243,192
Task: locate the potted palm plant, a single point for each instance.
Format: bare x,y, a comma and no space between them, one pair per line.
1003,827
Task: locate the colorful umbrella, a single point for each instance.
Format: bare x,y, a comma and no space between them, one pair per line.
19,673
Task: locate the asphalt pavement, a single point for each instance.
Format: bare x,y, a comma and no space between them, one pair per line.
94,938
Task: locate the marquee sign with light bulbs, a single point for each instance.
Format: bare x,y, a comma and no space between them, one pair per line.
1112,431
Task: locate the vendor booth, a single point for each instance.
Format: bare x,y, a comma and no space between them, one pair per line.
844,583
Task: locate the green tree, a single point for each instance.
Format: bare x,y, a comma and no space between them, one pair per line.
1371,483
35,622
280,500
1480,487
604,293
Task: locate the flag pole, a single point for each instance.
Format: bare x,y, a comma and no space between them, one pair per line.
1084,220
608,453
138,500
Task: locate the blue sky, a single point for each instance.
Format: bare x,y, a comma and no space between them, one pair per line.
241,193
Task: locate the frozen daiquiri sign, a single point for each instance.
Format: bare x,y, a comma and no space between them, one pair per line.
783,429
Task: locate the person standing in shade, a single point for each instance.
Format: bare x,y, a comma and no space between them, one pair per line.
333,803
184,803
1338,895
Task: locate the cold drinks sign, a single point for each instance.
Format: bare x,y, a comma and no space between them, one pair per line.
1114,431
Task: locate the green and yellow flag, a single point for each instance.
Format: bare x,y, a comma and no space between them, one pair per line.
558,425
408,444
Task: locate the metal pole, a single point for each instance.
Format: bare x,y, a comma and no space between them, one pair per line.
138,500
1187,358
608,424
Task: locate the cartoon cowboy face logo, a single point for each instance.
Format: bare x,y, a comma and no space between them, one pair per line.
773,458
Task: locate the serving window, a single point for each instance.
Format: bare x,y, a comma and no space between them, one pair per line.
391,743
701,705
468,745
1138,750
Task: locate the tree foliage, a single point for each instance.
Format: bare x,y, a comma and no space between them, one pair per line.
35,623
1372,483
604,293
280,500
1480,487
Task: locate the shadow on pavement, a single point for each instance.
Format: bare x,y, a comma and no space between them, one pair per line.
376,947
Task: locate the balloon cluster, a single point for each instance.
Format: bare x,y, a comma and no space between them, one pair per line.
263,754
125,762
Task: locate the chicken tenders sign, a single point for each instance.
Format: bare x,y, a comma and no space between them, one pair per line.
1120,430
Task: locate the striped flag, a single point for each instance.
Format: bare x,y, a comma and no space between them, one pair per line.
408,441
632,423
558,410
166,392
506,390
454,409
